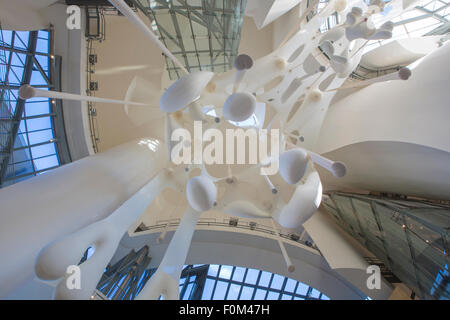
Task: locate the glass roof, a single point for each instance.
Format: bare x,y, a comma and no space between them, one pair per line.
431,18
202,34
28,143
212,282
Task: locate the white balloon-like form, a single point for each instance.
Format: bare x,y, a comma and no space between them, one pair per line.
303,204
293,165
185,90
239,106
201,193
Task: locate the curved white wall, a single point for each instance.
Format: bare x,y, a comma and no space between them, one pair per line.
394,136
414,111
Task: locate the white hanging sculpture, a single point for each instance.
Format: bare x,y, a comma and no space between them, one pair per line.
293,165
296,83
201,193
239,106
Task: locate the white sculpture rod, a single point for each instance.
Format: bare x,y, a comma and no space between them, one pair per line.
272,187
338,169
27,92
134,19
311,7
242,63
290,266
402,74
166,279
103,235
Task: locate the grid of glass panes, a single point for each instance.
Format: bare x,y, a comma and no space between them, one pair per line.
202,35
430,18
225,282
34,150
410,237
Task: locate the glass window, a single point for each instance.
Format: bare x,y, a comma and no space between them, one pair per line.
273,295
277,282
252,276
221,288
290,285
246,293
264,280
315,293
208,289
302,289
188,291
233,292
225,272
213,269
260,294
238,274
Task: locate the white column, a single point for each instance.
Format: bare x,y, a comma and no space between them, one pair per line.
37,211
342,255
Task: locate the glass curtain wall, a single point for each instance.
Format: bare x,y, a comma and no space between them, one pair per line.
32,139
410,237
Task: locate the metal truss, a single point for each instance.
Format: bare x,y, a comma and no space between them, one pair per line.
203,34
21,63
410,237
126,278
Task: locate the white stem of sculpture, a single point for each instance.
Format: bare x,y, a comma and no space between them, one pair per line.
195,111
134,19
33,92
166,279
237,79
290,266
103,235
338,169
387,77
272,187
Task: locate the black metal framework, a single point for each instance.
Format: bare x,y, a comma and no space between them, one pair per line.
32,134
223,282
410,237
126,278
203,35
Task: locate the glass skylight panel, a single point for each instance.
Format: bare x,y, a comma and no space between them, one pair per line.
225,272
33,148
252,276
233,292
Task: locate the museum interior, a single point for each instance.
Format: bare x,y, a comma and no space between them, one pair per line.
116,120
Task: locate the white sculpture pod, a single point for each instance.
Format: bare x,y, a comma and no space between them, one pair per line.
239,106
201,193
303,203
293,165
185,90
